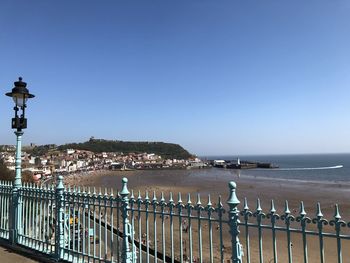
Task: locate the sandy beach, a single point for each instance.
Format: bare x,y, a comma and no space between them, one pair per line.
327,193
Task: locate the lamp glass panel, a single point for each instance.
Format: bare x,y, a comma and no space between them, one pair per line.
19,99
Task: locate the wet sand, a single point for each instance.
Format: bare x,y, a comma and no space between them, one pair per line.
327,193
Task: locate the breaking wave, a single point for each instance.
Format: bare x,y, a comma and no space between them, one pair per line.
311,168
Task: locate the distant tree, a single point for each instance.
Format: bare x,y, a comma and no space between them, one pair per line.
166,150
5,173
8,175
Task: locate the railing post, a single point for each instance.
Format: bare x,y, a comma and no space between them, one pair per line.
59,225
126,253
16,210
233,202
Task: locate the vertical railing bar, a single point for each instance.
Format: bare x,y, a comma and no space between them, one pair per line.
181,227
338,223
112,225
147,202
163,204
36,217
305,247
303,219
210,209
31,213
4,209
94,223
199,208
220,210
171,216
133,248
29,218
261,260
7,209
4,213
2,217
73,204
118,224
66,224
20,209
46,219
53,198
189,207
89,223
48,209
155,203
99,227
25,203
106,222
339,250
139,201
33,216
210,226
40,220
247,240
70,226
3,204
259,215
320,221
78,204
321,247
83,213
273,217
290,255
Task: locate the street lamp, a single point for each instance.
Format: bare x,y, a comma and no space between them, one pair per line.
20,94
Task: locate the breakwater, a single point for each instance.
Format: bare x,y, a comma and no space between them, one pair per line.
233,164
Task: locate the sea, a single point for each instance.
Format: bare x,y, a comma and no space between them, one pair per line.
304,167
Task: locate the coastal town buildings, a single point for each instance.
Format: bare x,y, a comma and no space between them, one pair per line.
76,161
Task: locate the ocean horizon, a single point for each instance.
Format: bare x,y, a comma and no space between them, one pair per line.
309,167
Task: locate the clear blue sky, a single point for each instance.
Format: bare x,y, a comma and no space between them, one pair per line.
218,77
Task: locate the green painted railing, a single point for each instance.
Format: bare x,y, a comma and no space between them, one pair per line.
87,225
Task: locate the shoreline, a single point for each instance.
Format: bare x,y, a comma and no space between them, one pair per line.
105,172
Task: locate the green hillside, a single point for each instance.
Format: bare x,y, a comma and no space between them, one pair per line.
166,150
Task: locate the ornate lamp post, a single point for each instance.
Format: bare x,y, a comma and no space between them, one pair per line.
20,94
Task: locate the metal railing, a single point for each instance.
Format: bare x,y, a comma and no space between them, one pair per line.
89,225
5,202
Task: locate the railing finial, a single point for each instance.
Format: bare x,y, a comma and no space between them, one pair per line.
302,209
233,200
336,212
124,191
319,213
60,182
273,209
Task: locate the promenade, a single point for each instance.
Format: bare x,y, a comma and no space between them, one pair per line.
9,256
